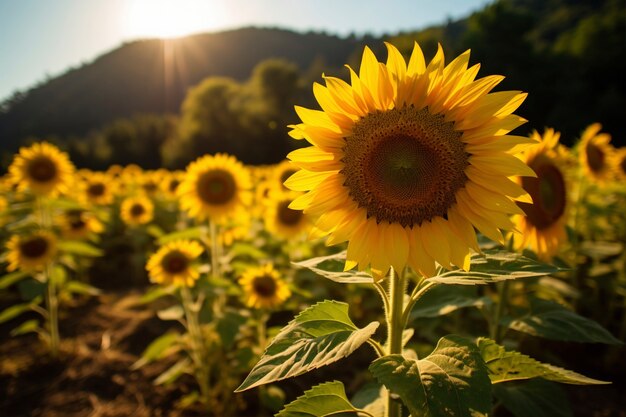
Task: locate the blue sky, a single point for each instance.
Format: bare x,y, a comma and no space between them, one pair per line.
40,38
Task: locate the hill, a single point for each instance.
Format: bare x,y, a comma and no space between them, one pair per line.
153,76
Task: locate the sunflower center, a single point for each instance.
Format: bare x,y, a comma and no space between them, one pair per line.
404,165
216,187
175,262
150,187
96,189
288,216
42,169
34,247
595,157
547,192
264,286
137,210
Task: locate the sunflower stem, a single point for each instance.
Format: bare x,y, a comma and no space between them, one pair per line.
52,306
395,328
197,344
495,331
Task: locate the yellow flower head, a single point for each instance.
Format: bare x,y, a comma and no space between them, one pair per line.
408,159
215,187
99,188
282,221
619,164
42,169
281,173
543,224
135,211
174,263
79,224
263,287
171,182
32,252
595,153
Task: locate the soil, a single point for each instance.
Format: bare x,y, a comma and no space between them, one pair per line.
103,336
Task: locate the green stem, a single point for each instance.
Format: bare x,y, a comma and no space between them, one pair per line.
214,249
495,331
52,305
417,293
197,344
395,327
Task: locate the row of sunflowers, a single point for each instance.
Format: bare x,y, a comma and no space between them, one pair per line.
407,163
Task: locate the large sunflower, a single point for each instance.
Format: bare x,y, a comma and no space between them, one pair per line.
135,211
283,221
215,187
543,225
595,153
31,252
263,287
43,169
408,159
174,263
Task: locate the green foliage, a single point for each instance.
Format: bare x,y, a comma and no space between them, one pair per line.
159,347
495,266
452,380
80,248
511,366
18,309
552,321
318,336
445,299
537,398
332,266
322,400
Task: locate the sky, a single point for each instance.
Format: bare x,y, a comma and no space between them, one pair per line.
43,38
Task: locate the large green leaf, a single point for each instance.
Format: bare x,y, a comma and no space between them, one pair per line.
11,278
327,399
442,300
494,266
80,248
536,398
451,381
550,320
320,335
331,267
510,366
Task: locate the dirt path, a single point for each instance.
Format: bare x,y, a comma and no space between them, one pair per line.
101,340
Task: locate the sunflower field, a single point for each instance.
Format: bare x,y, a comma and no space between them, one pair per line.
414,258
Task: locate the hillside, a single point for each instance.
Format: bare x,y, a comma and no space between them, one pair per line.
152,76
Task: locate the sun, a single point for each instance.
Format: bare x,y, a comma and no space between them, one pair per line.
170,18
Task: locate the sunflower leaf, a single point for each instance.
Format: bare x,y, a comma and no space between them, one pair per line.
332,266
17,309
324,399
507,366
494,266
537,398
452,380
174,372
552,321
157,349
191,233
320,335
442,300
11,278
29,326
77,247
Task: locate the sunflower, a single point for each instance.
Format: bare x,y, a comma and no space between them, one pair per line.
151,182
99,188
263,287
32,252
408,159
281,173
79,224
43,169
215,187
282,221
136,210
543,224
174,263
170,183
595,153
619,164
